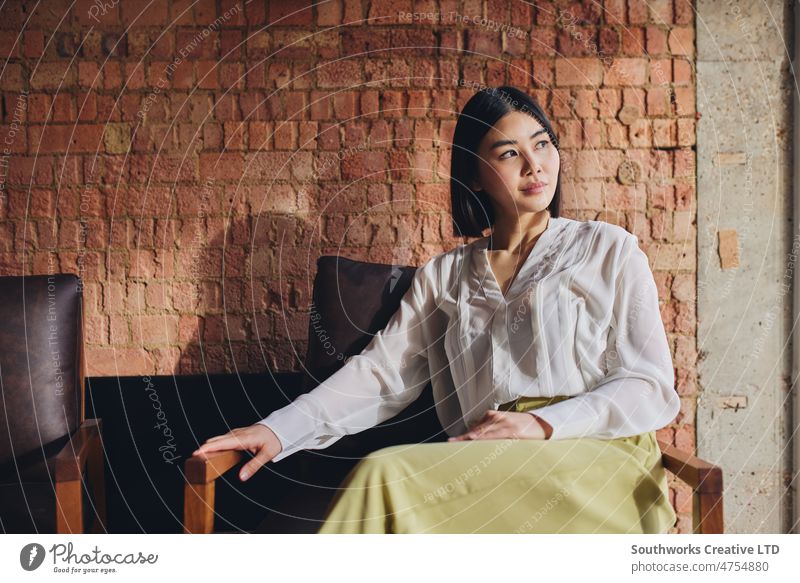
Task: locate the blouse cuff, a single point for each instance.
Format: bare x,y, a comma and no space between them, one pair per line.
294,425
569,419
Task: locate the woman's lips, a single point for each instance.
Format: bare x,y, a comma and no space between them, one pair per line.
534,188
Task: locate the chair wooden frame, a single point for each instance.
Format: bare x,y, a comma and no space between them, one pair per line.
81,461
83,454
704,478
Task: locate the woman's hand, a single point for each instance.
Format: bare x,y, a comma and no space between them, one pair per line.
258,439
507,424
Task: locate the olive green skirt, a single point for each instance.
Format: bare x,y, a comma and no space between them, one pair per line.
507,485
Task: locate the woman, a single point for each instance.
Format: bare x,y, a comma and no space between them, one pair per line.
544,344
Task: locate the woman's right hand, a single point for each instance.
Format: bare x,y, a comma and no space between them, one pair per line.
258,439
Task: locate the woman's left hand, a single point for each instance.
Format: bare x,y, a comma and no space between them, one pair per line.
507,424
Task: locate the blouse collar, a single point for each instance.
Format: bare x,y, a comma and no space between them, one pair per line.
487,277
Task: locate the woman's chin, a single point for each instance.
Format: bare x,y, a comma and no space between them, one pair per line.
533,203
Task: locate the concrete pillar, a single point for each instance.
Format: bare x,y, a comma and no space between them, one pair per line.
744,264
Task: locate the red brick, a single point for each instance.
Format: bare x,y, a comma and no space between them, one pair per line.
633,41
578,71
684,11
681,41
656,40
329,14
616,135
687,132
684,163
9,47
13,79
683,498
582,195
109,361
658,101
166,359
207,74
55,76
685,351
593,134
685,100
33,44
665,133
158,296
36,203
143,13
120,329
609,102
148,264
263,166
66,138
597,164
221,166
346,73
684,438
37,106
638,11
586,105
660,11
570,134
87,106
626,72
686,381
685,198
662,197
154,329
289,13
182,74
364,165
14,139
285,136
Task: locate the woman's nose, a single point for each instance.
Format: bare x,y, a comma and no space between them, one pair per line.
532,164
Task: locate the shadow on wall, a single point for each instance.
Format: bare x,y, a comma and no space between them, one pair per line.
243,295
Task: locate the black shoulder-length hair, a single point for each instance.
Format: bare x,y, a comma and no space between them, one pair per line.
473,211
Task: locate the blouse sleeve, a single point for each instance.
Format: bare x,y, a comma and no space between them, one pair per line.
375,385
638,393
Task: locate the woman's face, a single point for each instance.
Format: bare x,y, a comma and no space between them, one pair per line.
515,154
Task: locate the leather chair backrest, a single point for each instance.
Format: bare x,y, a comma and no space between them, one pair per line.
351,301
40,341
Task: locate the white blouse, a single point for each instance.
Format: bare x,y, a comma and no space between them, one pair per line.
581,318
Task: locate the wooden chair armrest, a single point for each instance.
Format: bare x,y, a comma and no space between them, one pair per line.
198,493
71,460
705,479
202,469
701,475
83,453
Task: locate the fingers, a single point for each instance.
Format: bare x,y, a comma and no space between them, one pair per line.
484,429
223,436
220,443
226,437
251,467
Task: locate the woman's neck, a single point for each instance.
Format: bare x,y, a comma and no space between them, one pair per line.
518,234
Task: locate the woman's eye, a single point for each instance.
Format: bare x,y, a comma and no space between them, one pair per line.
538,144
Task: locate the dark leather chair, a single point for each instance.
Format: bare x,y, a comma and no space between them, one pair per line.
352,300
46,445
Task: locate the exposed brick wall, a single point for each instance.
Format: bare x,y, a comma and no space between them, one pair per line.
192,162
